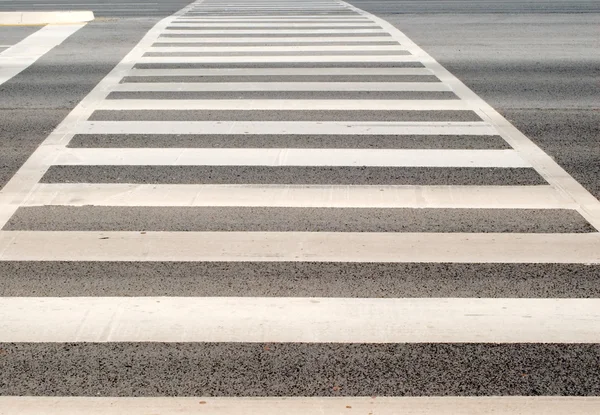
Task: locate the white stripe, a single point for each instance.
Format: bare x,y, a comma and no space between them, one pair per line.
269,32
284,104
289,157
476,197
300,246
275,25
274,59
546,165
299,320
280,72
281,86
505,405
239,19
278,127
318,48
272,17
274,39
18,57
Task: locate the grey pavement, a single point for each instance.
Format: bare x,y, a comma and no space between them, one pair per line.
104,180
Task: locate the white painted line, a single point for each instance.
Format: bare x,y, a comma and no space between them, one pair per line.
544,164
274,39
281,72
271,32
504,405
20,56
298,320
274,25
475,197
283,104
289,157
281,127
239,19
45,17
272,17
274,59
300,246
317,48
280,86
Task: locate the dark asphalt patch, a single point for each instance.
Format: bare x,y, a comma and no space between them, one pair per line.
293,219
297,279
292,369
471,142
283,115
294,175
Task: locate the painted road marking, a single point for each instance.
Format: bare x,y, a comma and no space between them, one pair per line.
380,405
18,57
300,246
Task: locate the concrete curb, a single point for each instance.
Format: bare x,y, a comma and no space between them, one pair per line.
36,18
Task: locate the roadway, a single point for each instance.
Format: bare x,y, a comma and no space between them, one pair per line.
228,216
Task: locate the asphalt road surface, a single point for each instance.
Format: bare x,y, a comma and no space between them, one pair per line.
281,207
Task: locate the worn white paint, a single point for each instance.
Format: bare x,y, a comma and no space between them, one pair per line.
270,49
274,39
381,405
282,72
299,320
280,86
45,17
289,157
284,59
278,25
473,197
285,104
300,246
282,127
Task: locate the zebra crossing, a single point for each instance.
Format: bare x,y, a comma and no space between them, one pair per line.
283,207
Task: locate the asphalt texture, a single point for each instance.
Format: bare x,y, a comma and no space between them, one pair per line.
301,175
298,279
536,62
11,35
276,219
246,369
486,142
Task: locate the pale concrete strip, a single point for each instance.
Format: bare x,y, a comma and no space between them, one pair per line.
46,17
275,127
282,104
290,157
300,246
479,197
20,56
274,39
506,405
281,72
298,320
274,59
318,48
274,32
281,86
548,168
274,25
